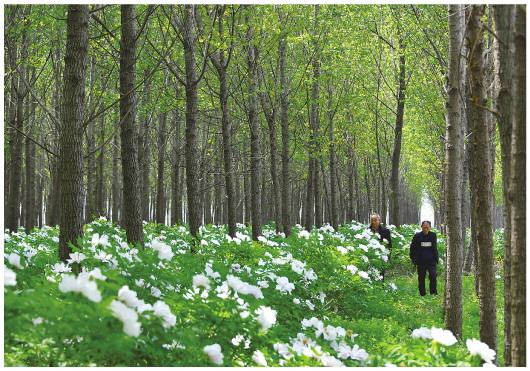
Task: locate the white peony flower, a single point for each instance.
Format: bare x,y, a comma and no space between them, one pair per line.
255,291
155,291
162,310
444,337
422,332
266,317
81,284
298,266
342,249
313,322
201,280
236,284
142,306
128,296
96,273
128,316
10,277
76,257
259,358
103,256
210,272
358,354
282,349
37,321
283,285
477,347
330,361
29,252
60,268
352,268
364,275
97,240
14,259
238,339
214,352
310,274
304,234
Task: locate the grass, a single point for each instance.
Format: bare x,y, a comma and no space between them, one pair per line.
389,318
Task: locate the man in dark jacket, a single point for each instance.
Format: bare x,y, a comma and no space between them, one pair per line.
384,234
424,255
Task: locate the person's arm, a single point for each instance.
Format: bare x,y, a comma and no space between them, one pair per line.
435,247
412,253
389,244
389,238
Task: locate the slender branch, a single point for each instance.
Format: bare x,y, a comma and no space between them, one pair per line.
33,140
34,95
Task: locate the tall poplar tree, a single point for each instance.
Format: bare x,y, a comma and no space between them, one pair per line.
187,28
504,23
132,212
284,122
398,130
518,194
71,136
482,208
454,151
255,162
220,59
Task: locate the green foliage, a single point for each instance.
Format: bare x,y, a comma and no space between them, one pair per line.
311,299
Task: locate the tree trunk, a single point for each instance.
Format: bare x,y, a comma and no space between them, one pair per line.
270,116
16,116
333,175
482,209
218,190
89,171
453,170
310,195
116,184
132,213
221,65
160,216
30,218
192,154
377,140
504,23
71,138
39,202
255,166
394,173
518,194
284,120
100,181
176,184
144,152
315,120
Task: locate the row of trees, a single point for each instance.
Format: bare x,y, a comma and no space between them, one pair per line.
310,113
292,114
470,115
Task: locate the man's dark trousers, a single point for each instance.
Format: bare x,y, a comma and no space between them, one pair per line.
422,270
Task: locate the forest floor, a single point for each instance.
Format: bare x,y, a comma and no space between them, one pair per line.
312,299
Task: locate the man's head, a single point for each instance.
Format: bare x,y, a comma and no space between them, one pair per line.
425,226
375,221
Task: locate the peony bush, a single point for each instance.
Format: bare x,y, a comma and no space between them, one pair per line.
236,302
